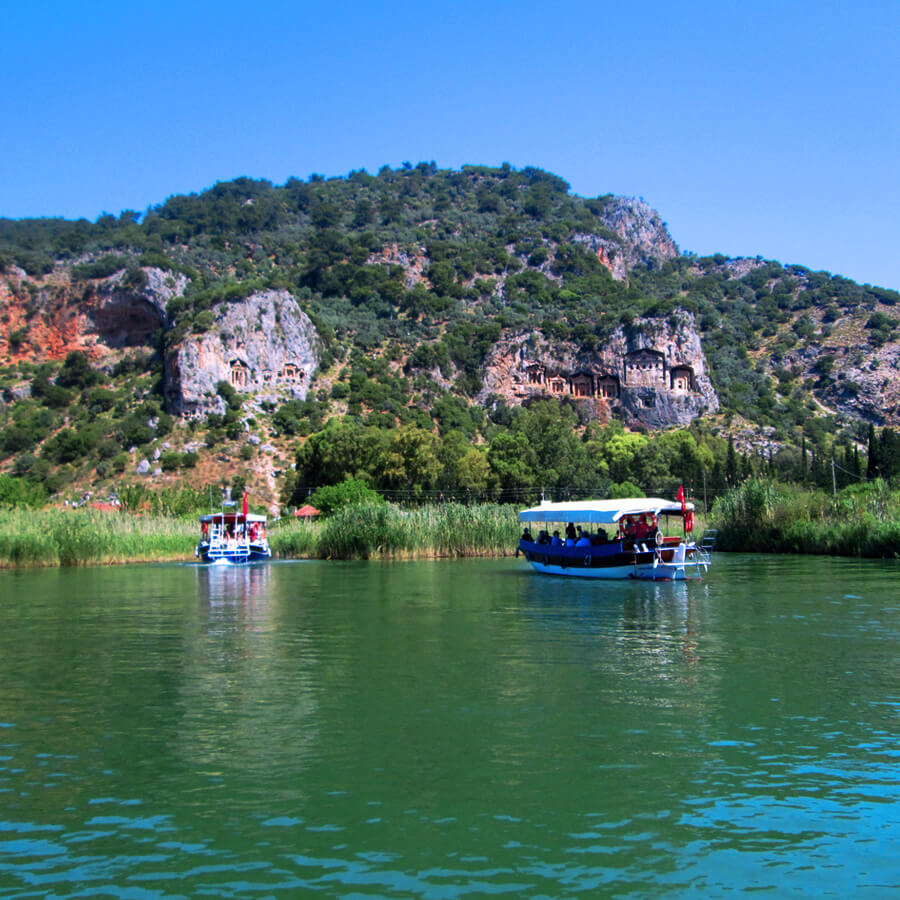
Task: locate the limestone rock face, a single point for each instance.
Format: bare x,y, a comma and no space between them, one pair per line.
264,344
644,237
56,315
864,384
653,372
125,314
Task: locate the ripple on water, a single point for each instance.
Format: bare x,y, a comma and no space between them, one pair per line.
443,731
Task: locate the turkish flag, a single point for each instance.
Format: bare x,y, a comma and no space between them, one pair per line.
680,498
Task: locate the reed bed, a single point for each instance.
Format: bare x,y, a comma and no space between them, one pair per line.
296,539
768,517
758,516
74,537
386,531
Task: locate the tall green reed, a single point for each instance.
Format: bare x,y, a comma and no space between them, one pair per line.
72,537
769,517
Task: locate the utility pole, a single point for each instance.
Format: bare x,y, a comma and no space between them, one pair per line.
833,478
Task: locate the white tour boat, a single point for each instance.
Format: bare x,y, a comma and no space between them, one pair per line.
614,539
231,537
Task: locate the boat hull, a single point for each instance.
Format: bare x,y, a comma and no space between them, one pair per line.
669,562
238,554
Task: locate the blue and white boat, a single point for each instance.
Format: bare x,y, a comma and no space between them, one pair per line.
614,539
232,537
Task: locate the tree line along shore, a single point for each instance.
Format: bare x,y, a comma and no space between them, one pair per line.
757,516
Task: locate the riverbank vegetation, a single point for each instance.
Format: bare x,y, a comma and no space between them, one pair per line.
71,537
759,515
388,531
766,516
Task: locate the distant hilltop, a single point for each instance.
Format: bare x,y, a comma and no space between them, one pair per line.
395,297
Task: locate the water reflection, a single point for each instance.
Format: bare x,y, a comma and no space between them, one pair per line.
244,584
449,730
247,685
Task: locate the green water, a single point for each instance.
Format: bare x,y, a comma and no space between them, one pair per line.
450,729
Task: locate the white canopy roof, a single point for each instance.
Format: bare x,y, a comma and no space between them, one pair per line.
231,515
600,512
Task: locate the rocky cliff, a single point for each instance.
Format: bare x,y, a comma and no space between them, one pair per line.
263,345
44,319
127,310
652,372
644,237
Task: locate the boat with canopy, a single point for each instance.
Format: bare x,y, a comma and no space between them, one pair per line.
232,537
614,539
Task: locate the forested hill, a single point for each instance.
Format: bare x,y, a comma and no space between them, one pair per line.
442,300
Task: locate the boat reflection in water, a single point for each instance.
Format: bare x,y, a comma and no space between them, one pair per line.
245,586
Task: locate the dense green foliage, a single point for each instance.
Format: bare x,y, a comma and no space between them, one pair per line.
330,498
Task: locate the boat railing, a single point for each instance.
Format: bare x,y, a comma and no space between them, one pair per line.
702,555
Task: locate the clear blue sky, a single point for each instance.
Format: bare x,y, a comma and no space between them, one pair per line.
755,128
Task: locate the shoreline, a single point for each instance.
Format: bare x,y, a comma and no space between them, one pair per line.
758,516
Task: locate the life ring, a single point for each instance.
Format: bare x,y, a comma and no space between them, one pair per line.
660,540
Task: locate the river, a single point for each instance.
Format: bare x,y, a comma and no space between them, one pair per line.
449,729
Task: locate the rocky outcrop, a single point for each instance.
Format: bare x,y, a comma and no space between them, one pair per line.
413,261
50,317
652,372
126,311
644,237
264,344
861,384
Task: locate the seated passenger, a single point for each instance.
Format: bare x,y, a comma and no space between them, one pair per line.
543,537
600,537
557,541
526,536
583,539
642,529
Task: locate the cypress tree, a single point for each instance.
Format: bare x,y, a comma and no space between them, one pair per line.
731,465
872,467
889,453
746,466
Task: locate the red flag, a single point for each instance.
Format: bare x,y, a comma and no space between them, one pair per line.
680,498
245,504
